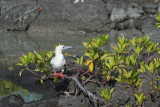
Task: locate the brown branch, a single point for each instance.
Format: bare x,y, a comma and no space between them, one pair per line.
91,95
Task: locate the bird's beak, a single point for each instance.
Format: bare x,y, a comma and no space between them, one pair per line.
66,47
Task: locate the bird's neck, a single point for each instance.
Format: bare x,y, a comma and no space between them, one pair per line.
58,54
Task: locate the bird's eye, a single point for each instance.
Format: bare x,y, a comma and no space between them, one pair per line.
63,47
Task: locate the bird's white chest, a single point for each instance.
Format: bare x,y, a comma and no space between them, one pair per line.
58,62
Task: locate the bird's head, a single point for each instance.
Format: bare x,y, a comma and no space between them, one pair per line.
60,48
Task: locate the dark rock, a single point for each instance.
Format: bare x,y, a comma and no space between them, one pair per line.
72,87
90,86
90,16
28,81
75,101
123,25
150,8
152,104
43,103
118,14
119,97
71,16
134,11
12,100
129,24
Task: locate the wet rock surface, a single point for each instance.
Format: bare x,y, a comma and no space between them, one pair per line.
75,101
12,101
58,16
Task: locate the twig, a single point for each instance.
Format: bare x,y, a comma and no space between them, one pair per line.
91,95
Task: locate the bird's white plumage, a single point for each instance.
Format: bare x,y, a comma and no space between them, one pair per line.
76,1
58,61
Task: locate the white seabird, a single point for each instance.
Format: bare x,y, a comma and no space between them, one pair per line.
76,1
58,61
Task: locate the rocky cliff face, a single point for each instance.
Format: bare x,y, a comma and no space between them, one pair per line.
64,15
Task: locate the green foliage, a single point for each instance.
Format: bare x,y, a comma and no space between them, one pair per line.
140,97
158,18
112,62
131,78
106,93
94,49
130,61
122,44
79,61
41,61
128,106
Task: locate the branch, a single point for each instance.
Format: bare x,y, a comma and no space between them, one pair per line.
91,95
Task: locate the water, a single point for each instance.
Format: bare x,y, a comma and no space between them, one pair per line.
7,88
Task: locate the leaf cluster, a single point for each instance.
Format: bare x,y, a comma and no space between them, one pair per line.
41,61
106,93
131,59
140,97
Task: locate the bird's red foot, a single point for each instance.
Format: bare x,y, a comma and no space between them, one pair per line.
58,74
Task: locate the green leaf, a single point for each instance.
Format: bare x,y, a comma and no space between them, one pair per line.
121,40
20,73
156,62
138,83
142,67
111,90
133,59
19,64
127,60
10,68
140,97
43,53
22,60
85,44
127,74
119,79
41,80
77,61
104,56
149,48
39,56
95,56
105,93
134,74
151,66
138,49
158,25
133,42
88,54
30,55
115,48
158,17
81,60
83,77
119,46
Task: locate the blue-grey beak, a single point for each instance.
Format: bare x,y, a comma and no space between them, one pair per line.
67,47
